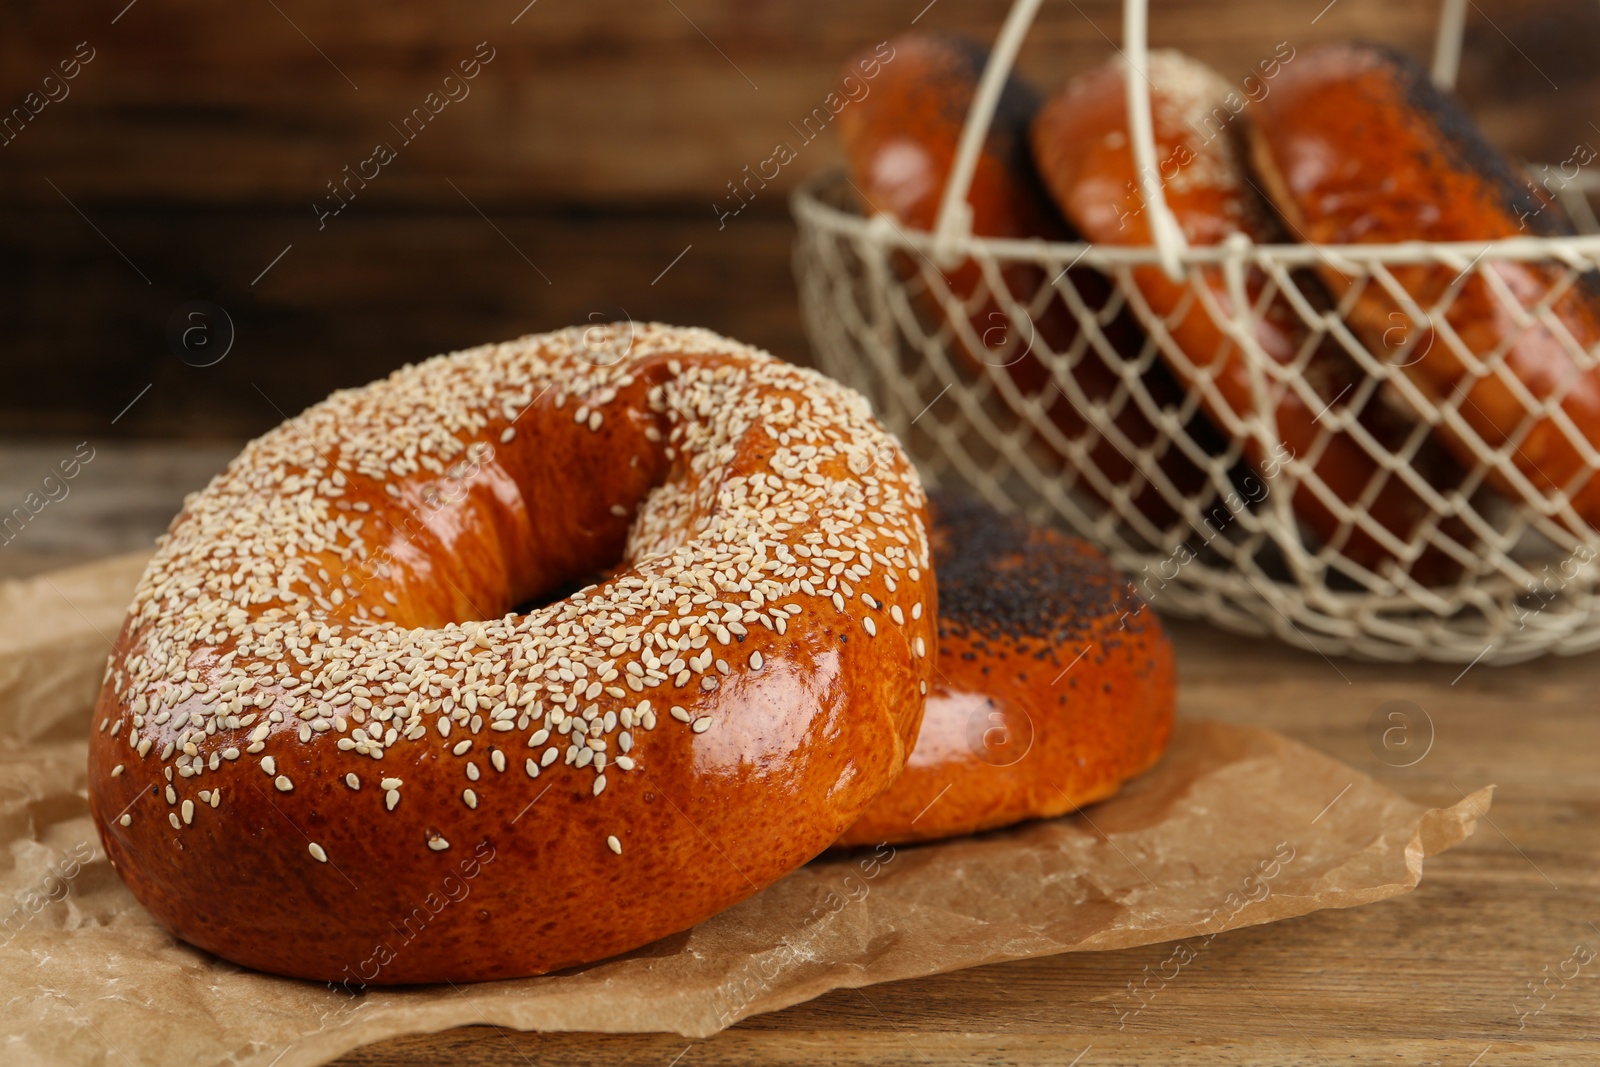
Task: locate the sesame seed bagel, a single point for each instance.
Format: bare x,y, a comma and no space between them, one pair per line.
1055,683
327,746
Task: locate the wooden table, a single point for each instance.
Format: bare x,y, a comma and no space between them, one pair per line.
1440,976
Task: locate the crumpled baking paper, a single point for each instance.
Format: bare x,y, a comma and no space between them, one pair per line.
1236,826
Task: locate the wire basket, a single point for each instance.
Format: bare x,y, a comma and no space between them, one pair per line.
1201,532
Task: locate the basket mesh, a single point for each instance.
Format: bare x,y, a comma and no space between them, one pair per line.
1047,384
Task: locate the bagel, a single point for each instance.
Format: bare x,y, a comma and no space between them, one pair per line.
1055,683
900,143
1355,145
1080,140
325,747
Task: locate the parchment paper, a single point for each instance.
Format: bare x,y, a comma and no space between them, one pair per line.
1236,826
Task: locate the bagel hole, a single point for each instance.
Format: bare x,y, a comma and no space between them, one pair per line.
559,592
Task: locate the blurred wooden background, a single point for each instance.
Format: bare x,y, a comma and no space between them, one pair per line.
187,154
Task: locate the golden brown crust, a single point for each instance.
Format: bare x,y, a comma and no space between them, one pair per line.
325,750
1354,145
1055,683
1080,141
900,143
901,137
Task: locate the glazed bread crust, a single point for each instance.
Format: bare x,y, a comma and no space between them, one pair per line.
328,747
1055,683
1355,145
1080,140
900,143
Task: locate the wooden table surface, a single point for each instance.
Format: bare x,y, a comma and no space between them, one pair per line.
1444,975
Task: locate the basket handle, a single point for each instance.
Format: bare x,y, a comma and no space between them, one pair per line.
954,224
1164,229
953,227
1447,46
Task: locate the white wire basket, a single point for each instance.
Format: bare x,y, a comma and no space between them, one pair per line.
1203,533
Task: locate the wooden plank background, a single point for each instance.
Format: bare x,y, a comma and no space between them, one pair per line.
188,151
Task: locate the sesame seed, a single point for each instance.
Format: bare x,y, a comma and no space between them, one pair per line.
680,714
317,853
116,772
916,610
461,747
269,765
126,820
172,817
352,781
896,614
188,812
470,797
614,845
390,783
498,758
921,646
870,626
755,661
599,785
701,725
437,843
283,783
390,799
